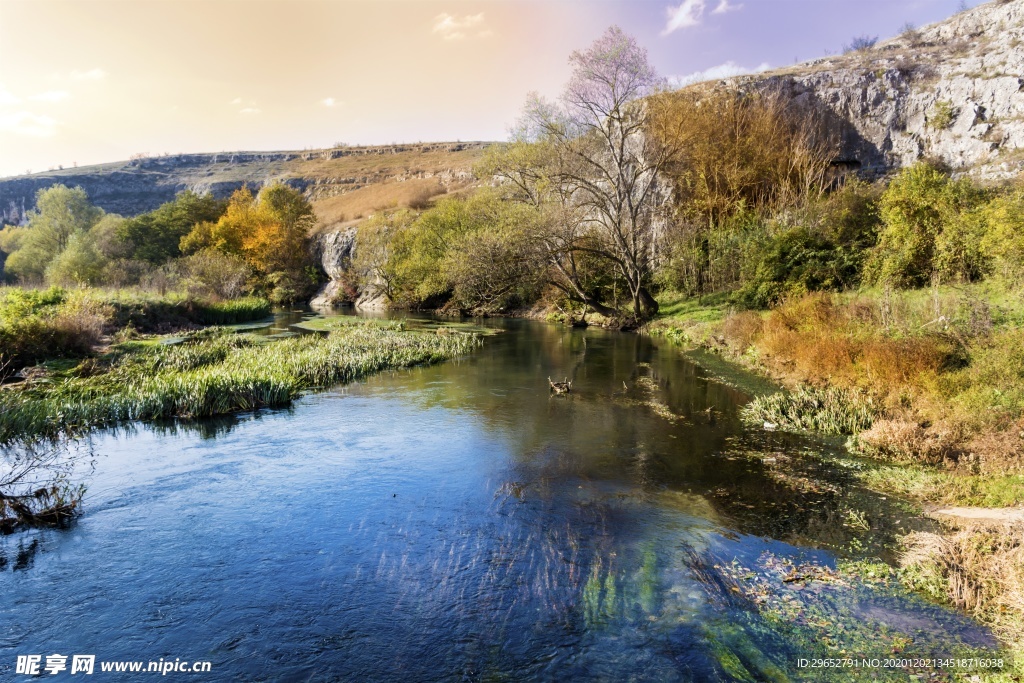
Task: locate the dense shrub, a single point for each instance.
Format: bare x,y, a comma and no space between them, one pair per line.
823,247
270,232
474,254
930,227
1003,242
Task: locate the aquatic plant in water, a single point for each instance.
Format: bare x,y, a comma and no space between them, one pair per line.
831,411
216,373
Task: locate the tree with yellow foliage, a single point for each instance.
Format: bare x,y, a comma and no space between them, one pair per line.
271,233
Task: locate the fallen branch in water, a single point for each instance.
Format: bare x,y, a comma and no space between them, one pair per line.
35,488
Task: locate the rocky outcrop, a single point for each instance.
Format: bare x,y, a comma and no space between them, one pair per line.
334,248
952,91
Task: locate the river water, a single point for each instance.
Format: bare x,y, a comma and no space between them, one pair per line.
458,522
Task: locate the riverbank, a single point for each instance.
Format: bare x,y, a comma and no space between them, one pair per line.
930,384
39,325
212,372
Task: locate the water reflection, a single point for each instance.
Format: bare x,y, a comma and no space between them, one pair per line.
459,522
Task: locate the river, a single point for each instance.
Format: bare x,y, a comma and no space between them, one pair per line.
460,523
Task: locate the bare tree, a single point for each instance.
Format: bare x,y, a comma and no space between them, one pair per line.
600,162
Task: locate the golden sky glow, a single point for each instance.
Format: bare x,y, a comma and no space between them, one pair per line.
89,81
86,81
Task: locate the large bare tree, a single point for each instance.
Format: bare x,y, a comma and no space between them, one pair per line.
592,152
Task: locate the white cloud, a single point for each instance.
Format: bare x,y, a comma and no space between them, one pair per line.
7,97
246,108
96,74
716,73
50,96
724,7
687,14
454,27
27,123
330,102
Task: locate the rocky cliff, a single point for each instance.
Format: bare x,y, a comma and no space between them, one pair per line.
952,91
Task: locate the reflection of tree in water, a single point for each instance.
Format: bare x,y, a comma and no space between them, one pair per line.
40,483
639,414
24,555
206,428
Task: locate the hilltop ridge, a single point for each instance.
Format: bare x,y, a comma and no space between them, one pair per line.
325,175
952,91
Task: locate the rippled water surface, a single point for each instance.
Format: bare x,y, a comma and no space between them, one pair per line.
457,522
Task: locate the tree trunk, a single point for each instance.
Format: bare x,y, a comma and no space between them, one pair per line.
650,304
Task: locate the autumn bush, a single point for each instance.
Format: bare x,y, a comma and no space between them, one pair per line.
270,232
741,328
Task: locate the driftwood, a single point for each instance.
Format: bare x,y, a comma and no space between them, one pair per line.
50,510
563,387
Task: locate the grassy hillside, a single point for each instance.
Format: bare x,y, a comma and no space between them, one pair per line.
375,177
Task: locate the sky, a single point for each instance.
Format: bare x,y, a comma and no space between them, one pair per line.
91,81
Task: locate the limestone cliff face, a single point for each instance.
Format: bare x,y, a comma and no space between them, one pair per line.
953,91
335,250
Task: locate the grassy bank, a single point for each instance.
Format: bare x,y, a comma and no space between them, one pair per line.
929,383
931,377
212,373
41,324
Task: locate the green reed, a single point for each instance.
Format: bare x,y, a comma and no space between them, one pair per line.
213,374
830,411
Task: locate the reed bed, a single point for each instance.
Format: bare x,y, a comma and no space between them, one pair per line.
213,374
831,411
149,312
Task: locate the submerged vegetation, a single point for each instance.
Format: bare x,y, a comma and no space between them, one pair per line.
212,373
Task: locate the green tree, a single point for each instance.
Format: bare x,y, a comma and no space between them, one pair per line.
928,229
61,213
1003,242
80,263
155,237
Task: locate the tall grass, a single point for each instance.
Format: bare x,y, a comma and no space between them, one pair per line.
980,570
830,411
214,375
37,325
156,313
